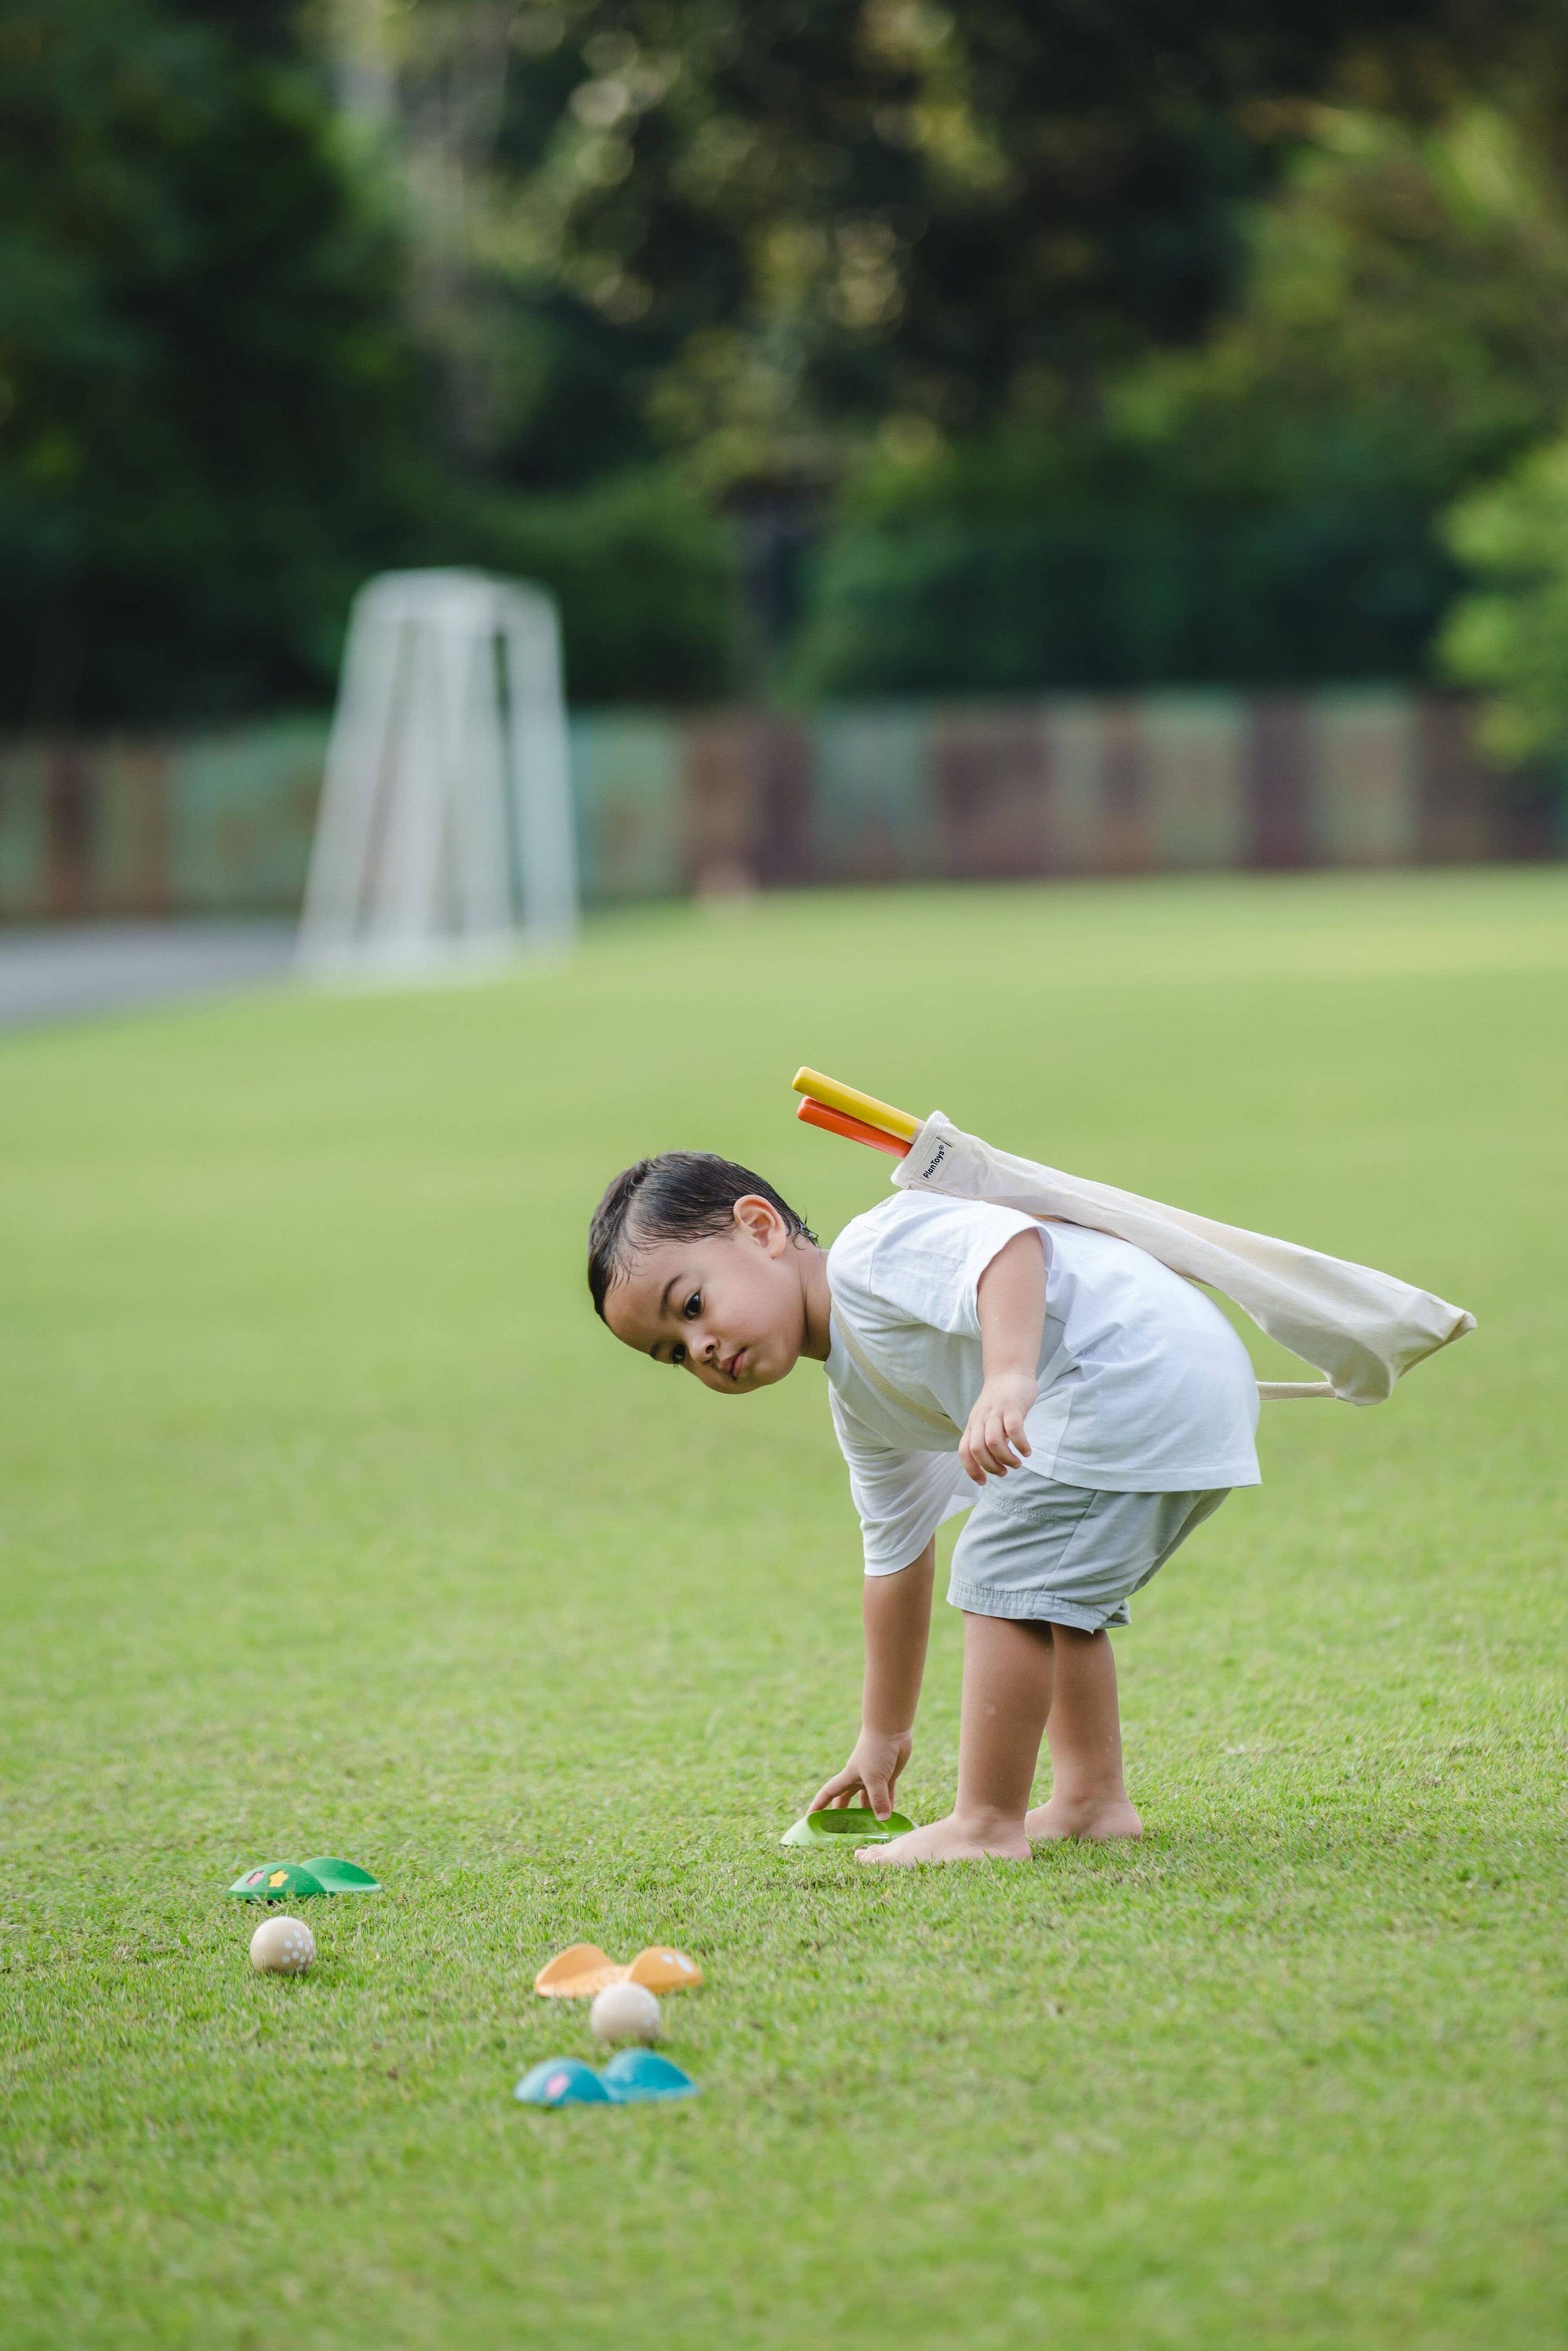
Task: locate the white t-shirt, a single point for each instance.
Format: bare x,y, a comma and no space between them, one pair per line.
1144,1385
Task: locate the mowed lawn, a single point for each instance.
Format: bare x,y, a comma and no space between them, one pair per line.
331,1521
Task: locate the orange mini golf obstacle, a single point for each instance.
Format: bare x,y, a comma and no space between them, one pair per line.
584,1970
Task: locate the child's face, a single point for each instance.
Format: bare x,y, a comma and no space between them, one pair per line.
729,1306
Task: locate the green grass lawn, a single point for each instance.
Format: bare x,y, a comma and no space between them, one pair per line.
331,1521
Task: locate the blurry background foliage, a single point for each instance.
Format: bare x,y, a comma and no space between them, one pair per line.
1511,635
1259,507
804,346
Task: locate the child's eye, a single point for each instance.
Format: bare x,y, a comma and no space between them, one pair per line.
693,1305
677,1353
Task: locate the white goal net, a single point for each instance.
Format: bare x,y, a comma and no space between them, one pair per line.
445,835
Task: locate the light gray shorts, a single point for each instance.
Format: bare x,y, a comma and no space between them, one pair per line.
1067,1555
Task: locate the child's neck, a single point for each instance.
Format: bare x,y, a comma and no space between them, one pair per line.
817,1300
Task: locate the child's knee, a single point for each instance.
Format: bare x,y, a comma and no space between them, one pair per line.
1073,1637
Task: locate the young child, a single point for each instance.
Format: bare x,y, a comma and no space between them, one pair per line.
1091,1405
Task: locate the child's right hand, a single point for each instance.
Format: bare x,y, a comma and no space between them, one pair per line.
872,1771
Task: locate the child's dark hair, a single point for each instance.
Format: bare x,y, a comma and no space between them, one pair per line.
677,1197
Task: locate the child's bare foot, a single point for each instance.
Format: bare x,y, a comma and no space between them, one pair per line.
1094,1818
951,1840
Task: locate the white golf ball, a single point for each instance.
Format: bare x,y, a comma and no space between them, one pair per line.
282,1947
626,2012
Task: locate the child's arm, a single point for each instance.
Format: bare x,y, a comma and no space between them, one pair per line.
896,1613
897,1609
1011,1302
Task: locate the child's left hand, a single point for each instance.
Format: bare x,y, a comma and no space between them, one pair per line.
993,1441
872,1771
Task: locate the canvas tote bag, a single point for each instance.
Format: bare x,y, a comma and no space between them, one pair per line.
1363,1330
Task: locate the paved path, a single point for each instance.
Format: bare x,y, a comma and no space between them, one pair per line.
63,972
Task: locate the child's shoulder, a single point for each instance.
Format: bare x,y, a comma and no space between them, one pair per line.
903,1218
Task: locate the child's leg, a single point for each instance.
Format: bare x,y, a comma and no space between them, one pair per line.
1007,1697
1089,1795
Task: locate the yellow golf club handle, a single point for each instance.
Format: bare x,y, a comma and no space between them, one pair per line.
854,1104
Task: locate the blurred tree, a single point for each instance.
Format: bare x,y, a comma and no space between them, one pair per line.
1509,635
767,240
215,408
210,408
1086,557
970,263
643,571
1261,507
1409,285
776,224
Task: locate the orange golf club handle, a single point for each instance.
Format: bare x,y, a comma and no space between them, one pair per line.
837,1122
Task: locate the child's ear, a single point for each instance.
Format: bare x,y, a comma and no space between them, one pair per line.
761,1221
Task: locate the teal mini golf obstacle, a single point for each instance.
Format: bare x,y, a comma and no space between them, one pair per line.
637,2077
844,1826
296,1881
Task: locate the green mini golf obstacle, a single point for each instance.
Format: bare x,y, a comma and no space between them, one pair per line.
296,1881
842,1825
